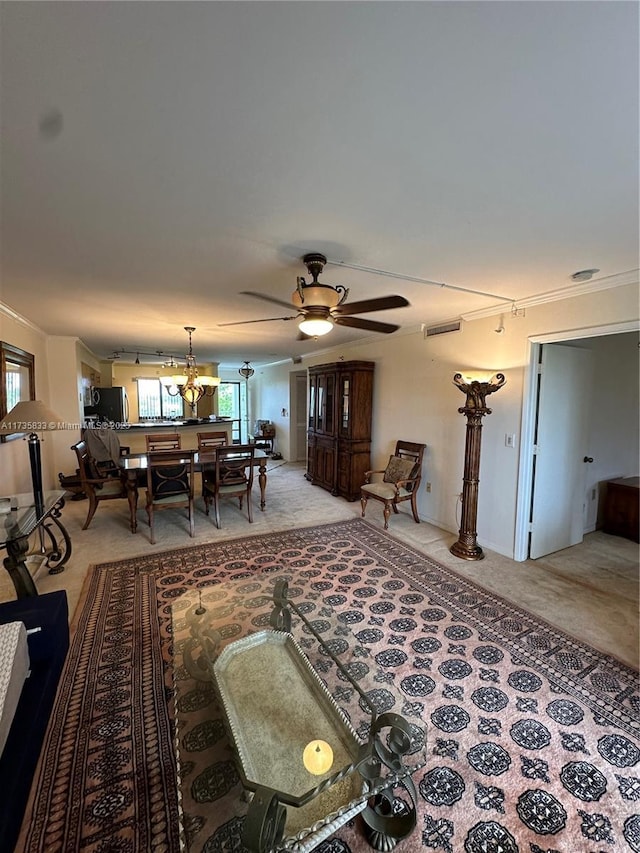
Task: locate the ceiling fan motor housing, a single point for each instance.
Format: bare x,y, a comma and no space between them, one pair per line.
315,295
318,295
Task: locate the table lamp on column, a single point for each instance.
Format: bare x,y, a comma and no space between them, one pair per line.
32,417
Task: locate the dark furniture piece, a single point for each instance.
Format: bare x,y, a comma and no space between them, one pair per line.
264,437
229,474
48,646
339,433
215,438
135,465
400,481
96,485
170,484
621,508
163,441
17,528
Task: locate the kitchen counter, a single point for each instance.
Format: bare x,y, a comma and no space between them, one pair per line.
133,435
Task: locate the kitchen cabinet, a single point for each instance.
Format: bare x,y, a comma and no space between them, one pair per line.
339,428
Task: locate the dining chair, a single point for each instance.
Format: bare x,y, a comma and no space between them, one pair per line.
216,438
169,484
400,480
229,474
95,484
163,441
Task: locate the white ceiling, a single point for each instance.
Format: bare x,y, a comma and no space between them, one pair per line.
160,158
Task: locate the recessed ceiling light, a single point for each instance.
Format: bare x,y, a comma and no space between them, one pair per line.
584,275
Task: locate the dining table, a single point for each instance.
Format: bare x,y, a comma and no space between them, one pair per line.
134,464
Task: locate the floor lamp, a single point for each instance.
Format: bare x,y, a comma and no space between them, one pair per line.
475,409
32,417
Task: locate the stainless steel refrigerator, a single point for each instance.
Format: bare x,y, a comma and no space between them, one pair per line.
112,404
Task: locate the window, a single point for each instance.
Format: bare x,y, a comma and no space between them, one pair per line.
154,401
13,385
17,380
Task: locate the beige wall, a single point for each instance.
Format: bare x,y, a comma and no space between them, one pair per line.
125,375
415,399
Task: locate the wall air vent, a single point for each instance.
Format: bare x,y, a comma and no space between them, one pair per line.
443,329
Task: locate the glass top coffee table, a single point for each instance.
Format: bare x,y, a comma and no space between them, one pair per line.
286,728
19,518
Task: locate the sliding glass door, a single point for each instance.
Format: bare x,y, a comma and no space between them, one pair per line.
232,403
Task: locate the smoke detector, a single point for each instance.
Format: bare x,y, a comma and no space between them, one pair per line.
584,275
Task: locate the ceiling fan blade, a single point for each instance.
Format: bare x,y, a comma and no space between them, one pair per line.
369,325
266,298
266,320
383,303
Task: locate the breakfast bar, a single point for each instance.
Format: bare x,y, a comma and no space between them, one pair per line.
133,435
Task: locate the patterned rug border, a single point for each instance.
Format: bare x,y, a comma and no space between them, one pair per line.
492,625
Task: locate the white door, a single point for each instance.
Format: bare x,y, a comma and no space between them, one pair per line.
562,436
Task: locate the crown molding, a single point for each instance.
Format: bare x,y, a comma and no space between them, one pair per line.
18,318
608,282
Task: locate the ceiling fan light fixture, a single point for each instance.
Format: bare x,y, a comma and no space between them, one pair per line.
315,325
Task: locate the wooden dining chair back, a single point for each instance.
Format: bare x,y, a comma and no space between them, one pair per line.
163,441
232,478
400,480
216,438
169,484
96,485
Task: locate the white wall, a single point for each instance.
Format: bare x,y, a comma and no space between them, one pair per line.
415,399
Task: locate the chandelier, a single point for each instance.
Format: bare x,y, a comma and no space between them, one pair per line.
189,384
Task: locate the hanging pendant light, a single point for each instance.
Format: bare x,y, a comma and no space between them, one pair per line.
190,385
246,370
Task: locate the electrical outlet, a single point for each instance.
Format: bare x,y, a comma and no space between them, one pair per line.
428,487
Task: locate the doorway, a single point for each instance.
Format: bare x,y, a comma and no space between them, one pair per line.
298,410
524,519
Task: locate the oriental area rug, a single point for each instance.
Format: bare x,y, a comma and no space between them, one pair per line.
532,737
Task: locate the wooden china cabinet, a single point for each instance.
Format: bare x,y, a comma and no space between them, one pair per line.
339,433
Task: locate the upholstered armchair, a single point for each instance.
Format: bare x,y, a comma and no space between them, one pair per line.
400,480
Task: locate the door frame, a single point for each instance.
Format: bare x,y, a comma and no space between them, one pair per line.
529,415
297,396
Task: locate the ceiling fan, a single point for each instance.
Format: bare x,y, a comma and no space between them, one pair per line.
321,306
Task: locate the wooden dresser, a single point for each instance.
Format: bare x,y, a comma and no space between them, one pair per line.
339,432
621,508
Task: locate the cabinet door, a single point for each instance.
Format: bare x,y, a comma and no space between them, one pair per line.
345,403
326,466
330,404
325,402
313,403
311,456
